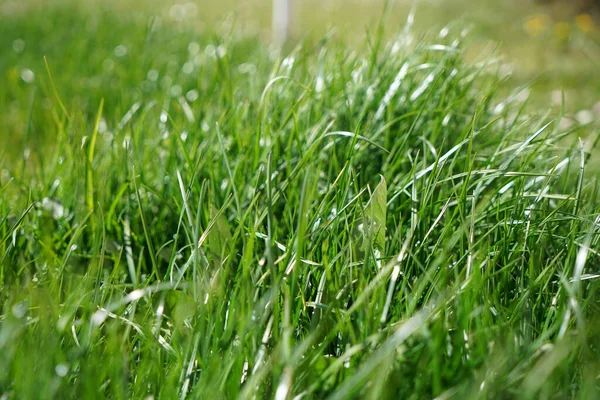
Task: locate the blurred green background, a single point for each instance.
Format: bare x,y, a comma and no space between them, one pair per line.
552,44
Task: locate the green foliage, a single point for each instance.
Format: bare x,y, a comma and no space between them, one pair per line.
377,209
188,215
374,223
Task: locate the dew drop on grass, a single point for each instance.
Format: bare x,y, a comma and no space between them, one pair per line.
53,207
319,84
584,117
499,108
247,68
108,65
190,10
175,91
103,126
316,224
152,75
449,347
505,70
264,142
523,95
18,45
192,95
126,142
146,86
288,62
188,68
244,371
446,120
210,50
166,82
370,93
27,75
193,48
177,12
120,51
135,295
356,75
61,370
19,310
221,51
565,123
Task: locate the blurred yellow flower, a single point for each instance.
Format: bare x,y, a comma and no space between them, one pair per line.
12,74
536,25
562,30
585,22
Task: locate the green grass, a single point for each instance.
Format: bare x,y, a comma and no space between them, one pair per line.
187,214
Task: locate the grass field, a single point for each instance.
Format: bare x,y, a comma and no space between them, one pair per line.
186,213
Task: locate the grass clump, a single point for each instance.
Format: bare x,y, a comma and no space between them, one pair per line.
189,215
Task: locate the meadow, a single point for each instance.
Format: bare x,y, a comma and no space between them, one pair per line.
190,212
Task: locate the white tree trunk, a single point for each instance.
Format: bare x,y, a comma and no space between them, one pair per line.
282,18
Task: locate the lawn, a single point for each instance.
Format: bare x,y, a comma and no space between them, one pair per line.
187,212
